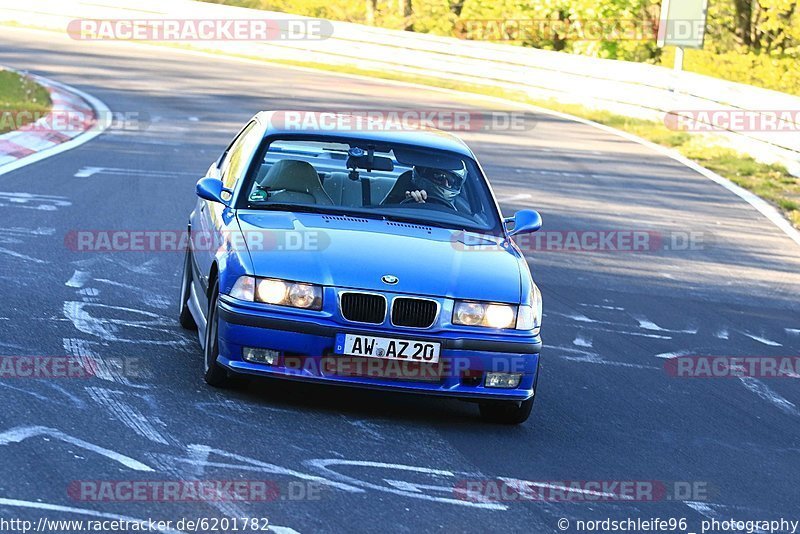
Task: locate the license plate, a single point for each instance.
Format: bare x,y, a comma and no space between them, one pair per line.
387,348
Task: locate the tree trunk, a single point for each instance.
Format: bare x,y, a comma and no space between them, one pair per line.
370,11
744,21
406,12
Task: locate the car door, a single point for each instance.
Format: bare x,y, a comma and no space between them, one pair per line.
213,222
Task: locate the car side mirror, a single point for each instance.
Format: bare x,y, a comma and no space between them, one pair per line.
212,189
524,222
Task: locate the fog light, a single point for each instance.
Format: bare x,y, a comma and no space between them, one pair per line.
503,380
266,356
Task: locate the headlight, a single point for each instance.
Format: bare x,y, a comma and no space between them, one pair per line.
278,292
484,314
530,317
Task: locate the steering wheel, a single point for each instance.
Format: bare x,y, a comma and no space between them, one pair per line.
434,200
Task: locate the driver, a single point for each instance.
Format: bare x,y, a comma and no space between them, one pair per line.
436,184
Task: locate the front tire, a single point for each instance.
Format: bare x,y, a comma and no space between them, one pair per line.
215,375
506,412
186,319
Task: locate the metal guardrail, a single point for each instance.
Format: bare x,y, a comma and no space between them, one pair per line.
632,89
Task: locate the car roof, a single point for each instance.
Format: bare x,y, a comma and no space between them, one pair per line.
278,123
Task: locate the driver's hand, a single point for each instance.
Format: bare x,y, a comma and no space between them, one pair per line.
419,196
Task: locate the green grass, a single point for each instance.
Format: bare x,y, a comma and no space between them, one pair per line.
20,94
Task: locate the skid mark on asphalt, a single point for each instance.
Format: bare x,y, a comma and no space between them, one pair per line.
108,329
109,369
764,392
114,402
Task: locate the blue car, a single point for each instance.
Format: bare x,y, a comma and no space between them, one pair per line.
363,257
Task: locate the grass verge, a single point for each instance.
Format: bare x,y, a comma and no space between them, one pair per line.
21,101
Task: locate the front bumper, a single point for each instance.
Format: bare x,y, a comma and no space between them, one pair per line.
306,344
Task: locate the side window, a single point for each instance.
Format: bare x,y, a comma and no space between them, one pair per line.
235,161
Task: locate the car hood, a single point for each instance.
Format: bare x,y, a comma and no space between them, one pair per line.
349,252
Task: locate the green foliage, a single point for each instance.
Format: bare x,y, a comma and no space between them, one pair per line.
20,94
749,41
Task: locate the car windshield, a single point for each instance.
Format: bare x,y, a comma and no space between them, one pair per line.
401,182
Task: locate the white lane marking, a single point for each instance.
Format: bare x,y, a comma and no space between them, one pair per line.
722,334
21,433
87,172
676,354
522,485
622,332
89,292
324,466
763,391
16,503
78,279
31,201
105,120
513,198
602,307
599,360
581,341
646,324
763,340
763,207
250,464
578,317
113,402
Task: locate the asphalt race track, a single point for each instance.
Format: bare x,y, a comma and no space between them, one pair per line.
374,462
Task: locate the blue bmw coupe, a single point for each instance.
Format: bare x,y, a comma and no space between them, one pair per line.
369,257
